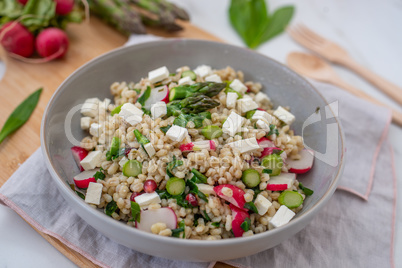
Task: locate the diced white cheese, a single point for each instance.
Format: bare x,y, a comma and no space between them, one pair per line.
176,133
131,114
186,81
238,86
105,103
86,174
147,199
94,193
244,105
85,122
95,130
283,115
246,96
213,78
231,98
281,217
262,115
262,204
90,107
233,124
203,70
262,125
159,109
92,160
158,74
123,161
246,145
149,148
262,98
283,178
205,188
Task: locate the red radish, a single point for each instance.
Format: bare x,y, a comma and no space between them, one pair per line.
152,216
83,179
150,186
127,151
261,109
237,197
134,195
265,143
166,99
192,200
238,217
63,7
16,39
52,42
281,182
304,164
79,153
198,146
157,94
23,2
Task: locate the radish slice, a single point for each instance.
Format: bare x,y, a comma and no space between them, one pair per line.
152,216
79,153
198,146
83,179
237,195
157,94
304,164
281,182
265,143
238,217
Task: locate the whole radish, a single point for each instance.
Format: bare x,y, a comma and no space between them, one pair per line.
23,2
63,7
16,39
52,42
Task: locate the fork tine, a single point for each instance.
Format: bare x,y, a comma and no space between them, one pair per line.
308,38
295,34
312,34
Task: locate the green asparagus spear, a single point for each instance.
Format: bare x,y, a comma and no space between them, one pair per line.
197,104
209,89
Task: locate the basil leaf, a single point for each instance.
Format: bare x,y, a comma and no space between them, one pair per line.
250,205
306,190
278,22
20,115
135,212
144,96
110,208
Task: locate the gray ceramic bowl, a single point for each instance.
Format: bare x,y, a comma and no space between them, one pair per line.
130,64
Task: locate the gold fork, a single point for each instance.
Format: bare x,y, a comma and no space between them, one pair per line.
337,54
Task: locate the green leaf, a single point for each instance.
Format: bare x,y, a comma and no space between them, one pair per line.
306,190
144,96
272,130
267,171
165,129
246,224
248,18
116,110
110,208
216,224
41,11
250,205
278,22
205,215
172,165
99,175
80,195
181,227
135,212
20,115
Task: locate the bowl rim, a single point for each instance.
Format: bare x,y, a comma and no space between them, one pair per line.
184,242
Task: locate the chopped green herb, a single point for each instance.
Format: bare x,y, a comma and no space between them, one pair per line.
267,171
138,90
116,110
205,215
194,189
306,190
216,224
251,206
100,175
110,208
165,129
272,130
228,89
250,114
142,99
211,132
181,229
80,195
172,165
198,176
140,138
135,212
246,224
146,111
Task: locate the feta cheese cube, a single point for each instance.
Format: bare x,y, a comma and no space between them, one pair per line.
94,193
285,116
203,70
206,189
158,74
186,81
176,133
231,98
246,145
262,125
123,161
262,98
244,105
92,160
281,217
131,114
147,199
149,148
95,130
90,107
262,204
238,86
213,78
159,109
264,116
85,122
246,96
233,124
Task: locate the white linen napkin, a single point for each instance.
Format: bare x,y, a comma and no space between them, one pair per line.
349,232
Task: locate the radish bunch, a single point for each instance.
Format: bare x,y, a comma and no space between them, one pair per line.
22,35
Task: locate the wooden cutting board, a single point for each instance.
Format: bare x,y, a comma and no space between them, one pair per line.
86,42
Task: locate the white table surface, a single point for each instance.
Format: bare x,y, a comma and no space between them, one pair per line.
370,31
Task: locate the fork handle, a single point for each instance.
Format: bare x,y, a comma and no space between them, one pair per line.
385,86
396,115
